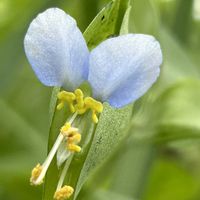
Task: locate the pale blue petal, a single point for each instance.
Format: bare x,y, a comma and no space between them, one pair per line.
57,50
122,69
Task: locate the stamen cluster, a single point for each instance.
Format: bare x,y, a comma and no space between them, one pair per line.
69,136
80,104
64,193
72,138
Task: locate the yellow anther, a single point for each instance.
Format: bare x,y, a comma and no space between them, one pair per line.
68,97
94,117
65,128
79,104
73,148
81,111
60,105
35,174
71,107
95,106
75,138
79,99
64,193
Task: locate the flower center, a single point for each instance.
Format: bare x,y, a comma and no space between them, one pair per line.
80,104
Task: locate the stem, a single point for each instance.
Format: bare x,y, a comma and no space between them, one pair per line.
63,174
73,117
50,157
52,153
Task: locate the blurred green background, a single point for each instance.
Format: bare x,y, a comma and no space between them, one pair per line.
160,160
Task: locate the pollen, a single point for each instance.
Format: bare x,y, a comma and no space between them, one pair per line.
73,148
75,137
65,128
64,193
79,99
72,140
95,106
35,174
80,104
68,97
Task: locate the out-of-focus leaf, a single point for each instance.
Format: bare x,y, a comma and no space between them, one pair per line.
177,63
107,195
144,17
15,131
126,171
183,20
178,111
171,180
12,31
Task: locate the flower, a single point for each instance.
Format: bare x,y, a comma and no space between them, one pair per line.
119,70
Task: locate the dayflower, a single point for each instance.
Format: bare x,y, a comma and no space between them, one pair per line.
120,70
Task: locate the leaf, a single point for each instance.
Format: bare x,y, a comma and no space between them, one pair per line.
126,171
111,130
177,114
171,179
177,63
145,17
107,195
15,127
107,23
126,21
111,123
183,20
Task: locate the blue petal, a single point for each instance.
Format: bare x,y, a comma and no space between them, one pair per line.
57,50
122,69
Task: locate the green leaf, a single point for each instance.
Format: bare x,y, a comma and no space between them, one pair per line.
183,20
126,21
171,179
177,114
15,127
107,23
111,127
107,195
177,63
111,130
145,17
126,171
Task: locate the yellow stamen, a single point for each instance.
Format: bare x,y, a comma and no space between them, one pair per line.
60,105
73,139
76,138
64,193
82,104
95,106
94,117
73,148
68,97
35,174
65,128
79,99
